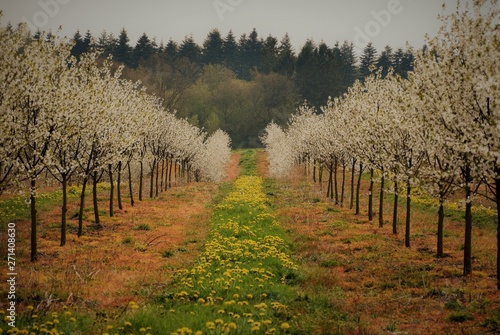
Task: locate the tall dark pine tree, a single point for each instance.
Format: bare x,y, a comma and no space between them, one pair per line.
285,64
190,50
269,55
171,50
398,61
230,52
213,48
123,52
144,49
368,59
78,47
407,63
385,60
349,69
306,78
87,41
249,54
334,66
106,43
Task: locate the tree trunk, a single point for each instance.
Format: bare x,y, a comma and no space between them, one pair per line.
342,189
320,175
157,176
468,223
64,209
336,167
408,214
94,198
119,185
381,202
395,209
151,188
162,173
34,253
130,185
82,205
497,197
353,170
358,187
111,191
172,163
329,192
440,231
314,171
141,176
370,197
166,173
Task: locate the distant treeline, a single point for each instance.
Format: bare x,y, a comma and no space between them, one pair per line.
240,85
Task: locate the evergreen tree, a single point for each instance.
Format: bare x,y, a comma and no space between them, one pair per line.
368,59
285,64
144,49
171,50
407,63
349,69
403,61
122,52
269,55
307,75
107,43
249,54
398,61
87,41
230,52
190,50
385,60
213,48
78,47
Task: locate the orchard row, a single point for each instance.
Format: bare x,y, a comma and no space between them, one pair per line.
80,119
437,130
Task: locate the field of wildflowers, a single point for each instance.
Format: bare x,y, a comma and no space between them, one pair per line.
239,285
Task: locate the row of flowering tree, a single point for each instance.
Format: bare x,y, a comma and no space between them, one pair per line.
438,130
80,119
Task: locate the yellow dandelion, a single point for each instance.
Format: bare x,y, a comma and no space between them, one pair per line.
285,325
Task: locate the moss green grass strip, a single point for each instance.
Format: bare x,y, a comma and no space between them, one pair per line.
239,285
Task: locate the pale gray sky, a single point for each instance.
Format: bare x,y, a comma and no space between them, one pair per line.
382,22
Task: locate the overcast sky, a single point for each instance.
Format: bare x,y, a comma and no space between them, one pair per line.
382,22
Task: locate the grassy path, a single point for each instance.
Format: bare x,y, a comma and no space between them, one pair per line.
240,283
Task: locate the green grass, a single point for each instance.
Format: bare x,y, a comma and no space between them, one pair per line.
244,281
248,165
15,209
